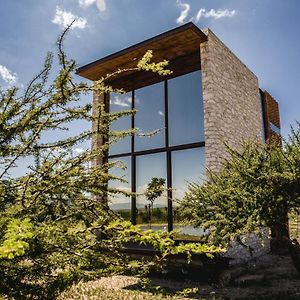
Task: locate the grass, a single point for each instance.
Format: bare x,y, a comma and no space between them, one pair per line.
92,291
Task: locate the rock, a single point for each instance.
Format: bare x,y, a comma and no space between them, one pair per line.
226,277
246,280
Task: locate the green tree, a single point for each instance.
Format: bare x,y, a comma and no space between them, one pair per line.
257,188
51,229
154,189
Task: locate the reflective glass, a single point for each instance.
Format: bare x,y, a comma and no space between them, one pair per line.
149,102
187,166
119,103
119,202
147,167
186,116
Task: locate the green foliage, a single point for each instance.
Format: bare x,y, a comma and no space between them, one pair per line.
257,187
52,231
161,240
146,64
15,239
55,224
155,189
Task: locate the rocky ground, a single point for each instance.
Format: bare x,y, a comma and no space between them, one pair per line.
270,277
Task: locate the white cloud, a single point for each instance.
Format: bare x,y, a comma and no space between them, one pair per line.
7,75
215,14
121,101
78,150
86,3
202,13
101,4
64,18
161,113
185,8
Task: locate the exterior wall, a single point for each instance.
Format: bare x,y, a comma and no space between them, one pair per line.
97,138
232,108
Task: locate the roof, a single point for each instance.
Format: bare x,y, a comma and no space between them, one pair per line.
180,46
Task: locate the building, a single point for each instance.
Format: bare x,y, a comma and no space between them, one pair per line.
210,98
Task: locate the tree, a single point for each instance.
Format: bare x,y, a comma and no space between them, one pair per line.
50,226
52,231
155,188
257,188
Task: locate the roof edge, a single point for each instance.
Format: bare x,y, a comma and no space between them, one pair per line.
189,25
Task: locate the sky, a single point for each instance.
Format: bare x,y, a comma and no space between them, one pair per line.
264,34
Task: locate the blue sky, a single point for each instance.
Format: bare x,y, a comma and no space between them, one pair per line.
263,33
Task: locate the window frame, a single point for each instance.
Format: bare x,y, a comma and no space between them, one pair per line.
167,149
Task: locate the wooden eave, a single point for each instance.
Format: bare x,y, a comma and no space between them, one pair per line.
180,46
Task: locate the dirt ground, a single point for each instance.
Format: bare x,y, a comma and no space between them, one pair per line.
270,277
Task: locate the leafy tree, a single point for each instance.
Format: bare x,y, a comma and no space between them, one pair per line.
155,188
50,226
52,231
257,188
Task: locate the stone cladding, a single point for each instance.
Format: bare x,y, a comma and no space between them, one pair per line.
232,108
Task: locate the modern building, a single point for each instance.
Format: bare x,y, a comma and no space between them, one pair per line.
210,98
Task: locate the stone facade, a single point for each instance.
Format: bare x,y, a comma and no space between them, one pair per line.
97,138
232,107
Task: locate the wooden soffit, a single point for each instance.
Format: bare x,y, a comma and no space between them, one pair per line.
180,46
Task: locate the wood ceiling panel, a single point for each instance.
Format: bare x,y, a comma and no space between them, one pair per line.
181,42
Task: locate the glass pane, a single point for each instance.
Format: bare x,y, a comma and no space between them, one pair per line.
119,103
120,202
149,102
186,120
147,167
187,166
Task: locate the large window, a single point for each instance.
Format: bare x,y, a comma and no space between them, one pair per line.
119,201
174,110
185,109
118,103
149,103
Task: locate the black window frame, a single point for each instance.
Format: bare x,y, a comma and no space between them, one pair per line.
167,149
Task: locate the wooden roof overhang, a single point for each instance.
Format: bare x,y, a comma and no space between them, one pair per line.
180,46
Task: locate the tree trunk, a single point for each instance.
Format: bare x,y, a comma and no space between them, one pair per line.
279,235
294,250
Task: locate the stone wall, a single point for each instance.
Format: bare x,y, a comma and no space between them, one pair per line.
97,138
232,109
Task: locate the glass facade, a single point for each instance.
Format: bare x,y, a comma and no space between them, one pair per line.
118,103
149,103
119,202
185,109
173,109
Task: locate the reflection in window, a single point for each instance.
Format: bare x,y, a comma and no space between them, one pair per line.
149,102
186,120
274,128
187,166
261,106
148,166
120,202
120,102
